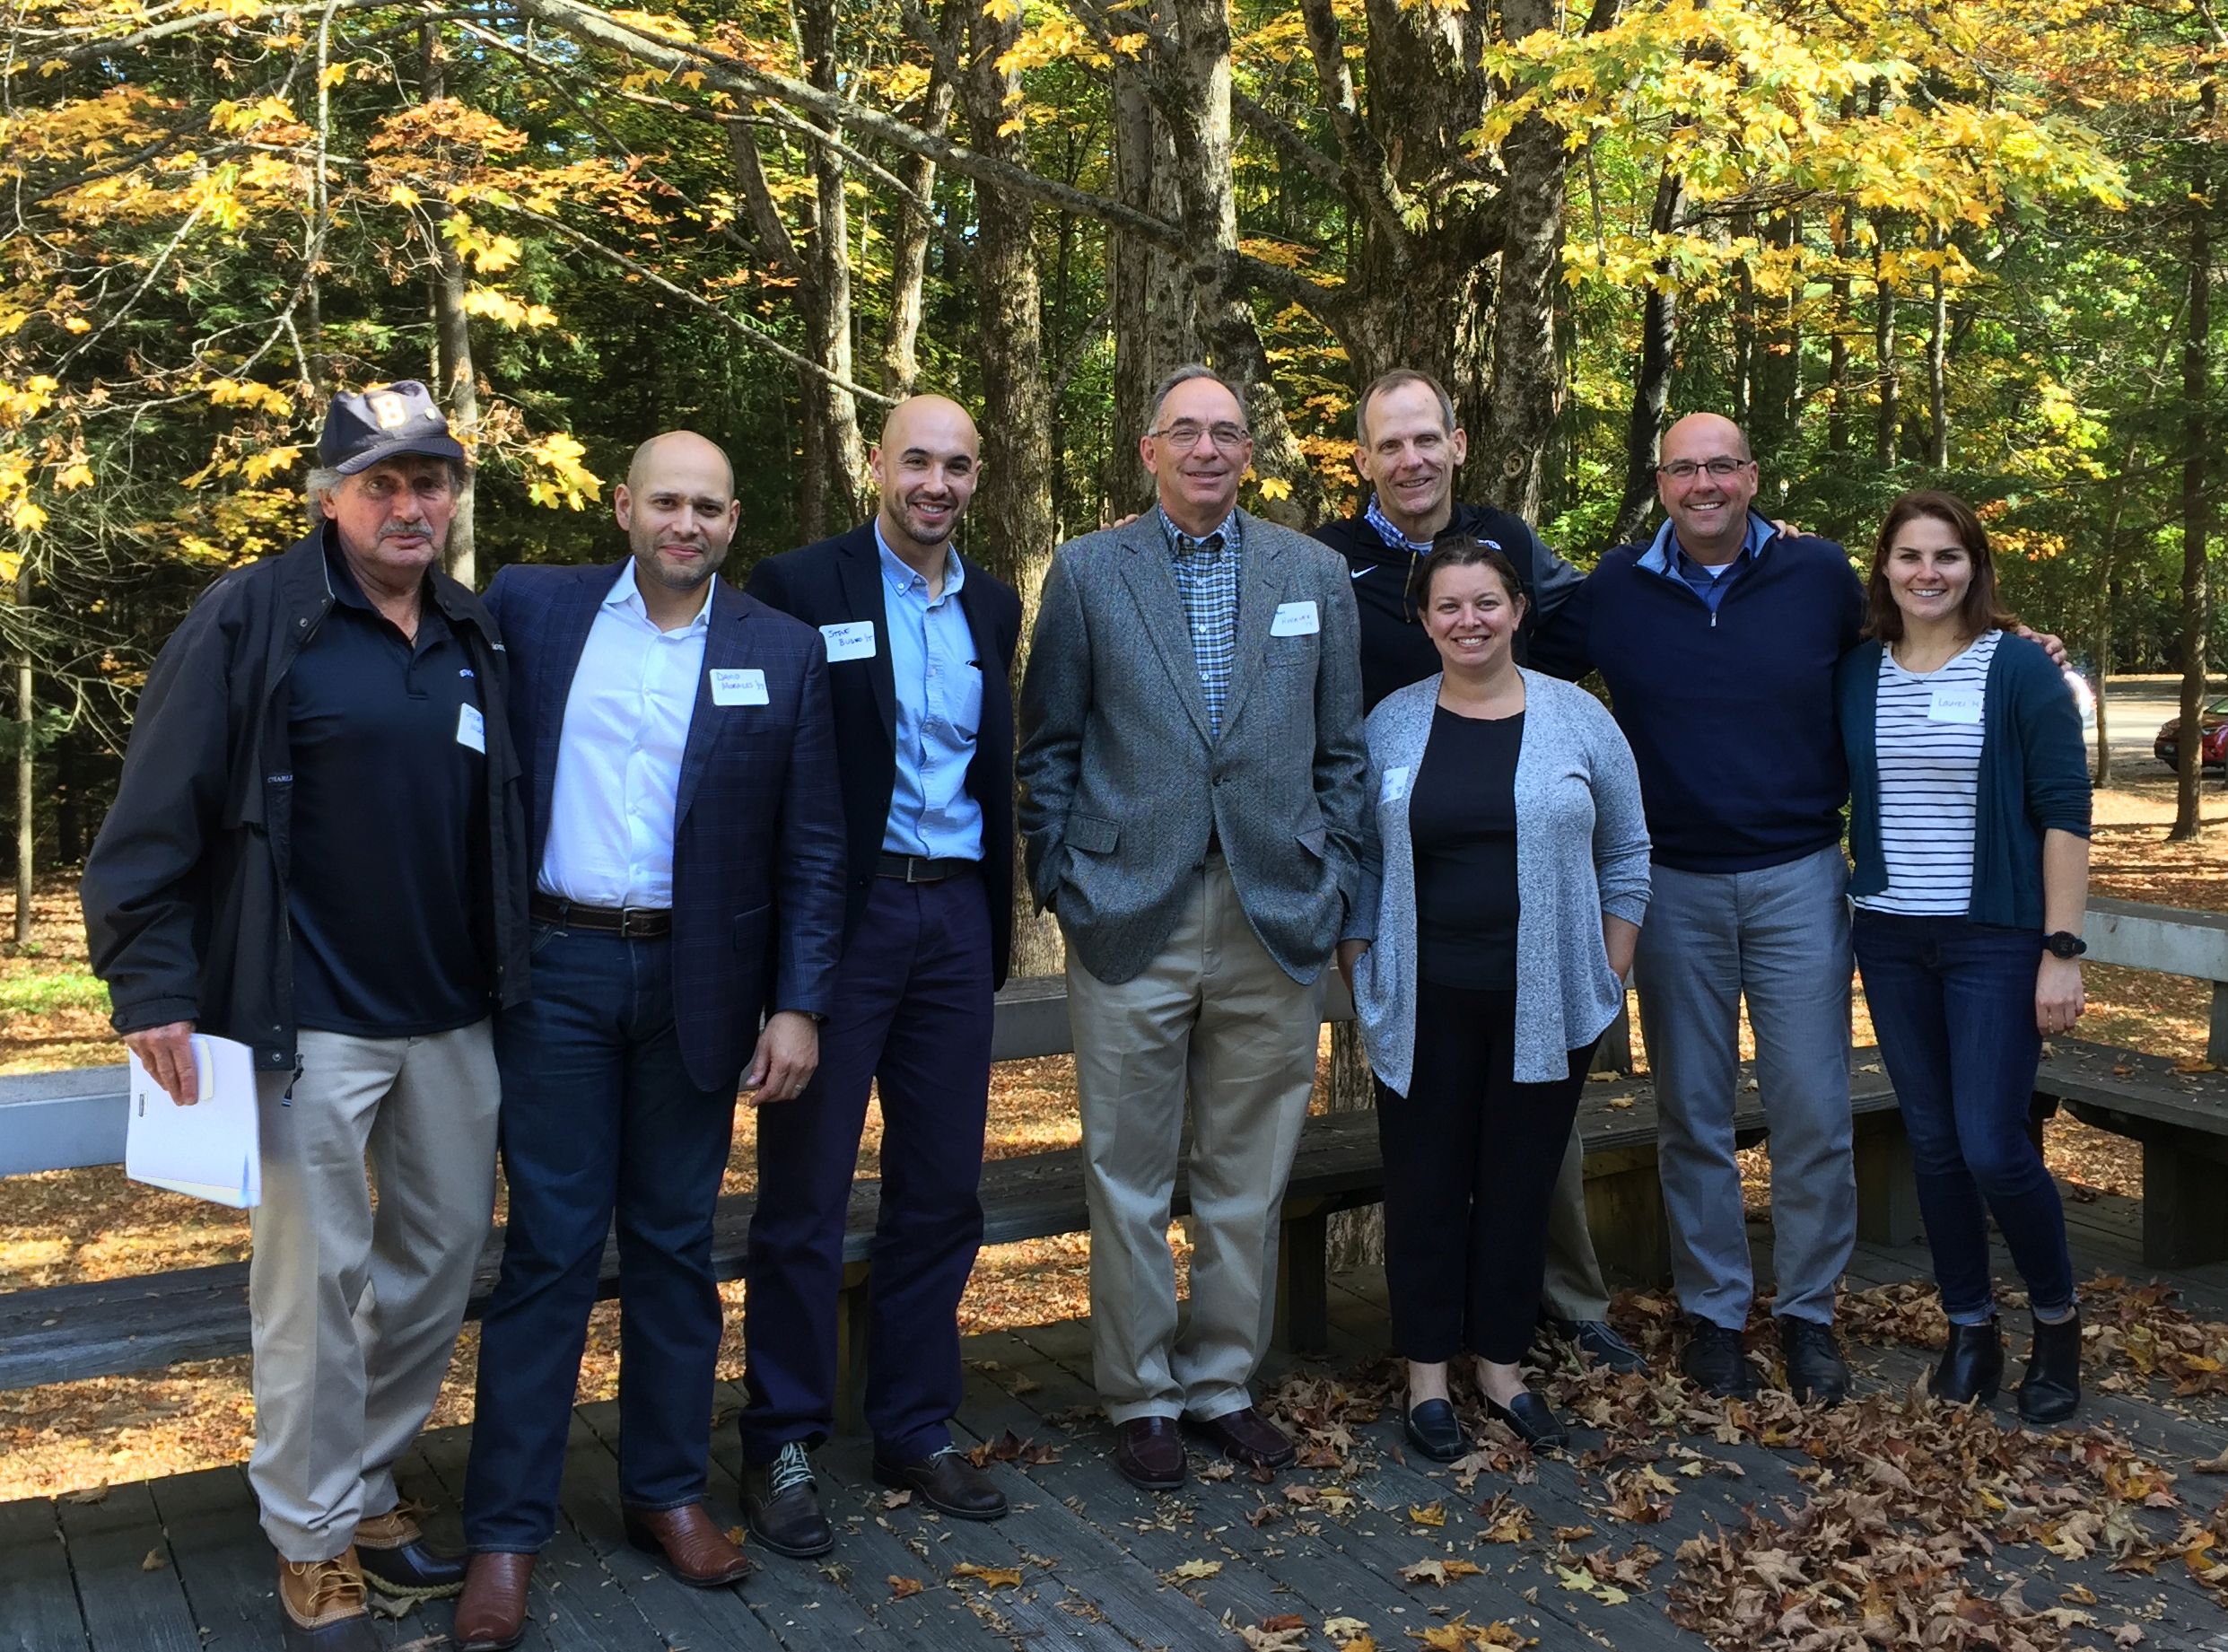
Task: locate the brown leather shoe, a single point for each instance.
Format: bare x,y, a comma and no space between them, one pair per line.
1148,1453
399,1564
947,1482
490,1616
323,1604
1245,1437
696,1550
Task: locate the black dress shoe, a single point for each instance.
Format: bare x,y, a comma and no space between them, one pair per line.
1971,1366
947,1482
1816,1368
1245,1436
1598,1343
1148,1453
2050,1391
782,1505
1533,1420
1715,1361
1433,1429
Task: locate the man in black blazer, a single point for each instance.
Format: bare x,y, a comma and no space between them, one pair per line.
920,642
686,836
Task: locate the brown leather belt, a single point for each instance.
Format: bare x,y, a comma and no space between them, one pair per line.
627,922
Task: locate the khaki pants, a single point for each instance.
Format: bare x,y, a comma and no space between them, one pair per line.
355,1310
1212,1018
1573,1288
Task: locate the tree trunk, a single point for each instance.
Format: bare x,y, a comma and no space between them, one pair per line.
1838,345
1651,390
1011,524
1778,355
25,836
2196,431
1526,376
830,410
909,236
1154,330
1938,359
454,382
1890,412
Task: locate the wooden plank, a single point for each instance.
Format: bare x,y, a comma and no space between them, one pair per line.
42,1612
2184,1219
2169,940
128,1608
227,1566
1887,1188
62,1121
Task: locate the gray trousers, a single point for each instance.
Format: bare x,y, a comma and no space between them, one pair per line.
355,1309
1779,938
1214,1020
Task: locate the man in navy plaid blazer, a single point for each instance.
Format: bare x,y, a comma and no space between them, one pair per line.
687,832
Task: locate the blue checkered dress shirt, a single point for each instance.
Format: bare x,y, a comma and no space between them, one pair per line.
1206,578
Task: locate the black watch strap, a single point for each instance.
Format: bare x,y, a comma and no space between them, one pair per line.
2064,944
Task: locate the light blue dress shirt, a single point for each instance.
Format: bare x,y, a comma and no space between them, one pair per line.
939,712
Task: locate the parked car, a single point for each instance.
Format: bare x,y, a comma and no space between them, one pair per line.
2213,722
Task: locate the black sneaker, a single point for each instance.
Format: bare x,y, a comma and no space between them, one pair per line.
1714,1361
1598,1343
1816,1372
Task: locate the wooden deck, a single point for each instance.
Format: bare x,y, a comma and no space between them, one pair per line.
179,1565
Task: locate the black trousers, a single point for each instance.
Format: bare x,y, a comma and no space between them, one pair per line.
1470,1157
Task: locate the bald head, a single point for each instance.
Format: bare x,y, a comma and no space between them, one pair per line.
1707,479
678,508
925,467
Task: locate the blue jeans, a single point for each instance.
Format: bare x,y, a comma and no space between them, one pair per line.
1952,1002
599,1119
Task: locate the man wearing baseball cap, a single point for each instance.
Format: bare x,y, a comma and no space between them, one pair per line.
316,849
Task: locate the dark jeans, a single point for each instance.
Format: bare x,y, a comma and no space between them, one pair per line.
912,1019
1470,1157
599,1120
1952,1003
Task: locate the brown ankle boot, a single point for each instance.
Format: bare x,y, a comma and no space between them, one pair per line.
323,1604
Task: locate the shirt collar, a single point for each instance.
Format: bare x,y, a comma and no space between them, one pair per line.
1665,554
904,578
625,593
1176,536
1391,535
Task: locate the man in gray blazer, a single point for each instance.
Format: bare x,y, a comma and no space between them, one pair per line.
1192,774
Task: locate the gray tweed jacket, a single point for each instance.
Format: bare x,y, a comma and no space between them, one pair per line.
1581,851
1122,785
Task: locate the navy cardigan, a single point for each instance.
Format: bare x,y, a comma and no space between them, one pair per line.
2034,777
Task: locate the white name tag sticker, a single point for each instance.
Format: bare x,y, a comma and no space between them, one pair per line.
852,640
1395,786
1953,705
1295,619
738,686
472,729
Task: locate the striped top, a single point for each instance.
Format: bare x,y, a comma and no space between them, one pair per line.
1928,734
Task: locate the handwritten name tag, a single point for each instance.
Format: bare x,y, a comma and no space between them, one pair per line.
1295,619
472,729
1953,705
738,686
852,640
1395,786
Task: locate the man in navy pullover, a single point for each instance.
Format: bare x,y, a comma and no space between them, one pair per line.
1718,641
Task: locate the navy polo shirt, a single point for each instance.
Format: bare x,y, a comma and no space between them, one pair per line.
388,877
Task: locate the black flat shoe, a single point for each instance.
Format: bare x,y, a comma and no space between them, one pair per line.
1532,1419
2050,1391
1433,1429
1972,1364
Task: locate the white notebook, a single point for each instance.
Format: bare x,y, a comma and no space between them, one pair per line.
211,1149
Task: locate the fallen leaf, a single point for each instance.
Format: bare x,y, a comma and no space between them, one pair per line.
1342,1631
94,1495
737,1534
904,1589
895,1499
990,1577
154,1562
1429,1514
1586,1583
1191,1572
1440,1572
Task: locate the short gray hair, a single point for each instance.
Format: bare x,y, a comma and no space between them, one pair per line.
1183,374
324,480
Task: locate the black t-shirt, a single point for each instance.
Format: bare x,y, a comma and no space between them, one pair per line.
1462,821
388,880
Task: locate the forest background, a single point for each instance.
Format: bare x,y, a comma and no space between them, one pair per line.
1966,244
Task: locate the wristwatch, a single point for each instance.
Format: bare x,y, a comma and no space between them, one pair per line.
2064,944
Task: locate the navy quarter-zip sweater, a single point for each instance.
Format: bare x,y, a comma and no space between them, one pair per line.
1731,716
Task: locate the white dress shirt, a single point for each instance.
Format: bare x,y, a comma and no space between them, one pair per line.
611,810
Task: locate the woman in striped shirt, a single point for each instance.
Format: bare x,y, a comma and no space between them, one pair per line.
1970,829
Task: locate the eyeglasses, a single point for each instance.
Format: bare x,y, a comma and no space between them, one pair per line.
1185,433
1720,467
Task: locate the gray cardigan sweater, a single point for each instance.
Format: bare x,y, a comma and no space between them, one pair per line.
1581,852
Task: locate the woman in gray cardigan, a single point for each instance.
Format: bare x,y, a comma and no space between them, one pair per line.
1505,876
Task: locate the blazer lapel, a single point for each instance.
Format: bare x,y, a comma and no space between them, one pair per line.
724,640
1152,585
1259,582
860,570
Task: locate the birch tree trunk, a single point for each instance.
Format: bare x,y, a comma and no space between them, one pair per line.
456,386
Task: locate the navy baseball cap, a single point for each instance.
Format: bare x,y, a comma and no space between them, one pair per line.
364,427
